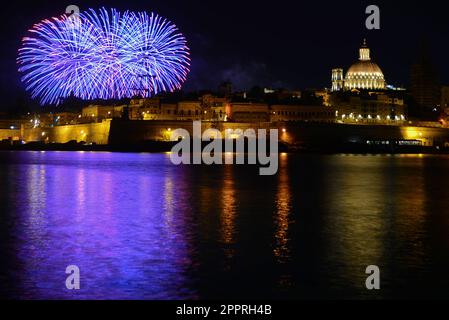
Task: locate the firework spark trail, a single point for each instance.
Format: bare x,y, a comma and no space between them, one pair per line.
105,55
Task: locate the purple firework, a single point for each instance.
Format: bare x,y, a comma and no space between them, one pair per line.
103,55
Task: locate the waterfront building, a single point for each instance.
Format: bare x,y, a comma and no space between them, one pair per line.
369,108
145,109
301,113
219,112
215,107
190,110
249,112
168,111
98,112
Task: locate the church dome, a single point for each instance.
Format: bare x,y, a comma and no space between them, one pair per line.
364,67
364,74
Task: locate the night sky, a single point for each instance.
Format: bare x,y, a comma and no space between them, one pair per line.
281,44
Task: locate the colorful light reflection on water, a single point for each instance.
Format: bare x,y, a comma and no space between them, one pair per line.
140,228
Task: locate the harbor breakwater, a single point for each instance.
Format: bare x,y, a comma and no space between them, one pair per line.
320,135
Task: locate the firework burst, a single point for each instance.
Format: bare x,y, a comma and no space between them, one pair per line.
103,55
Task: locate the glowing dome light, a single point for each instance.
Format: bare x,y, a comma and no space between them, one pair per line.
364,74
106,55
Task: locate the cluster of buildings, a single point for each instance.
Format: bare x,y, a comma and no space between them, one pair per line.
363,96
360,96
206,107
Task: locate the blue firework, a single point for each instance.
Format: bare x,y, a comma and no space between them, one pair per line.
103,55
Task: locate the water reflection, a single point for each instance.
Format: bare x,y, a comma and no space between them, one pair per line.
411,217
141,228
282,223
359,210
108,222
169,208
37,200
283,212
228,211
376,217
79,192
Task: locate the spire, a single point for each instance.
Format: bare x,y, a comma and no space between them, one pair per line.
364,45
364,52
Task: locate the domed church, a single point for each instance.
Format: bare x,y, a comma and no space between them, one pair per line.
362,75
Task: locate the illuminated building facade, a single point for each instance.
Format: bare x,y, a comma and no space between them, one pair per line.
363,97
250,112
362,75
300,113
338,81
371,108
98,112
